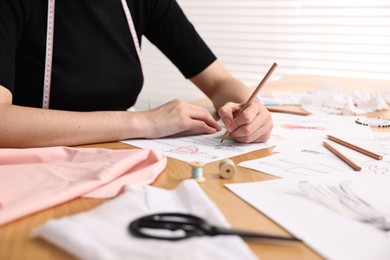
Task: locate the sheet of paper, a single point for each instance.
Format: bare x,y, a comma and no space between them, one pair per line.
294,127
205,148
339,219
311,158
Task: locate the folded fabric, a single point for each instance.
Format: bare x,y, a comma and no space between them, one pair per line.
38,178
102,233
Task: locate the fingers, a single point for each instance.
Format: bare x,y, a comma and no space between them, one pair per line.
177,117
202,119
254,124
227,114
197,127
195,118
246,134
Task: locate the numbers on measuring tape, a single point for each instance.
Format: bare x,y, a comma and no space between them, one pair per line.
49,54
50,46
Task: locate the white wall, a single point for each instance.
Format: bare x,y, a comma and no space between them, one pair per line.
349,38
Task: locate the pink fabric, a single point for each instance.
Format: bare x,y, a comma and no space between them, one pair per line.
38,178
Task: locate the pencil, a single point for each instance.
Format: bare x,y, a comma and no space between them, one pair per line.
355,147
253,96
287,111
342,157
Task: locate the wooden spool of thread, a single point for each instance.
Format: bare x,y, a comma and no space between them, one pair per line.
227,169
197,171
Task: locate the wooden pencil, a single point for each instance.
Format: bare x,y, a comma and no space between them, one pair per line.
287,111
342,157
355,147
253,96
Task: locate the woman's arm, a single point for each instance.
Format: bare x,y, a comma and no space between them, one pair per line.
35,127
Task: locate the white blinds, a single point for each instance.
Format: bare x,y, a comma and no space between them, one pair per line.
335,37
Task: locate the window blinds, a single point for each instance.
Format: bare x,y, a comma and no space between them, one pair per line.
335,37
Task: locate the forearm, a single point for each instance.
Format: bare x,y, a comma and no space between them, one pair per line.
230,90
220,86
33,127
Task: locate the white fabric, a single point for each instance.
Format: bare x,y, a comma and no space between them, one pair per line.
332,99
102,232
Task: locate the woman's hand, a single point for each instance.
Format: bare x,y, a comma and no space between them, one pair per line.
254,124
177,118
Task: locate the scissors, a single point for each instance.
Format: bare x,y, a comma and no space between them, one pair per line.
186,226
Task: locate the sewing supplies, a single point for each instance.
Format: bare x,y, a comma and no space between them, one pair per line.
253,96
374,122
185,226
227,169
197,171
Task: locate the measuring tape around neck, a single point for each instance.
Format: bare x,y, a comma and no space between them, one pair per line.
50,44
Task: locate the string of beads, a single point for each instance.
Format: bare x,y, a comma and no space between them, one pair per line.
374,122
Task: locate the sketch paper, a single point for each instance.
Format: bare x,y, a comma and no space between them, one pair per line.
338,218
311,158
294,127
205,148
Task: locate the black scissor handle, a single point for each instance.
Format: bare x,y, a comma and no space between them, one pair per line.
190,225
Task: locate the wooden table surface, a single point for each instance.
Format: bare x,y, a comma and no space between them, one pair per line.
15,241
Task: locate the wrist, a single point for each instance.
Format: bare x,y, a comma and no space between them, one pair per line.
132,125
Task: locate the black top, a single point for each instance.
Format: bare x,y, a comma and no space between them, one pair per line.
95,64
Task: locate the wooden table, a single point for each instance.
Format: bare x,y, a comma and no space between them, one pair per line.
15,242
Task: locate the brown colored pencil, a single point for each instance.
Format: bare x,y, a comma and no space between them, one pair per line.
287,111
342,157
253,96
355,147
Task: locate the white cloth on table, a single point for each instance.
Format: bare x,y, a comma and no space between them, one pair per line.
102,233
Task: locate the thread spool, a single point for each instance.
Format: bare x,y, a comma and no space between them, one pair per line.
227,169
197,171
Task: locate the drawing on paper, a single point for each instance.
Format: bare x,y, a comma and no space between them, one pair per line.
219,137
379,167
213,143
310,151
302,127
186,150
341,199
294,164
191,150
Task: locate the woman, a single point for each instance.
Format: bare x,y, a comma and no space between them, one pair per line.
70,69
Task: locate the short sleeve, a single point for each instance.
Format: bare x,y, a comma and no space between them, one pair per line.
168,28
10,24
